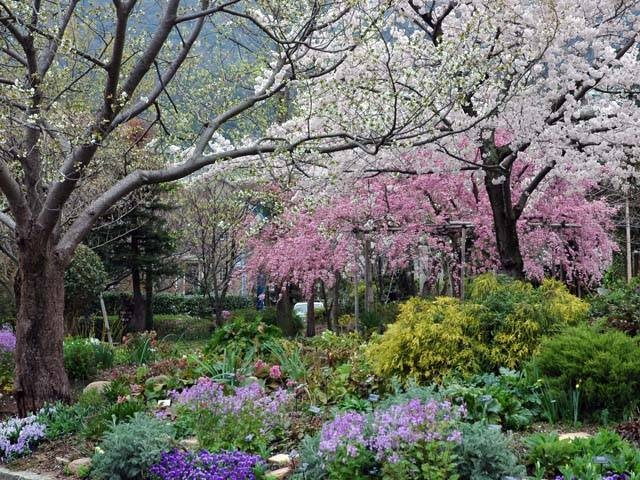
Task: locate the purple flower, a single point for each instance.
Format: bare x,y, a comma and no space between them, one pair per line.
390,434
182,465
267,409
7,339
18,436
346,430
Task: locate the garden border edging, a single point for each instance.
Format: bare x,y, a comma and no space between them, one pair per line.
6,474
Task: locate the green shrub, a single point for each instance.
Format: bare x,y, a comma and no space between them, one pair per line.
102,410
84,280
378,318
337,348
501,325
602,367
619,307
83,357
549,456
485,454
129,449
79,359
519,316
182,327
429,340
63,419
175,304
141,346
242,335
269,315
508,399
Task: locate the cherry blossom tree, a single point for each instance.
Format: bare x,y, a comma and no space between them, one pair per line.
564,231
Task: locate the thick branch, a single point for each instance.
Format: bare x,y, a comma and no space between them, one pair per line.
524,197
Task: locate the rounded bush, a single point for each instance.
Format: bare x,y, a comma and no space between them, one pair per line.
602,368
430,339
84,357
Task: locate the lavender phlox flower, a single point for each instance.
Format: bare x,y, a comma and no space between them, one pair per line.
392,433
19,435
346,430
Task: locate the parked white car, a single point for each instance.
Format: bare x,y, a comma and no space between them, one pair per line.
300,309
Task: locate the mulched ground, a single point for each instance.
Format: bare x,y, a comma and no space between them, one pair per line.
51,457
7,406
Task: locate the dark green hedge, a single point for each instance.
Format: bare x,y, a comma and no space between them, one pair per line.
173,304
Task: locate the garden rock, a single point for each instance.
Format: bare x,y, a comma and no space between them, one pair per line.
282,460
278,474
78,465
190,443
573,435
99,386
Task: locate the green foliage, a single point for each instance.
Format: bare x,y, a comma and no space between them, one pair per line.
129,449
508,399
310,465
619,307
355,466
435,460
501,325
83,357
7,365
429,340
520,315
242,335
551,456
226,368
93,414
182,327
485,454
337,348
62,419
84,280
175,304
379,317
604,367
141,347
269,315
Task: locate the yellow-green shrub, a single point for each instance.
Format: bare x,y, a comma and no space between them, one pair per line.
501,325
430,339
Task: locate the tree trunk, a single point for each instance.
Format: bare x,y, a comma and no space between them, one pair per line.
284,313
311,317
40,376
327,306
368,276
136,323
335,304
148,300
504,223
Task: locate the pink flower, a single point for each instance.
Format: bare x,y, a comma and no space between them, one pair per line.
275,373
259,365
226,314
